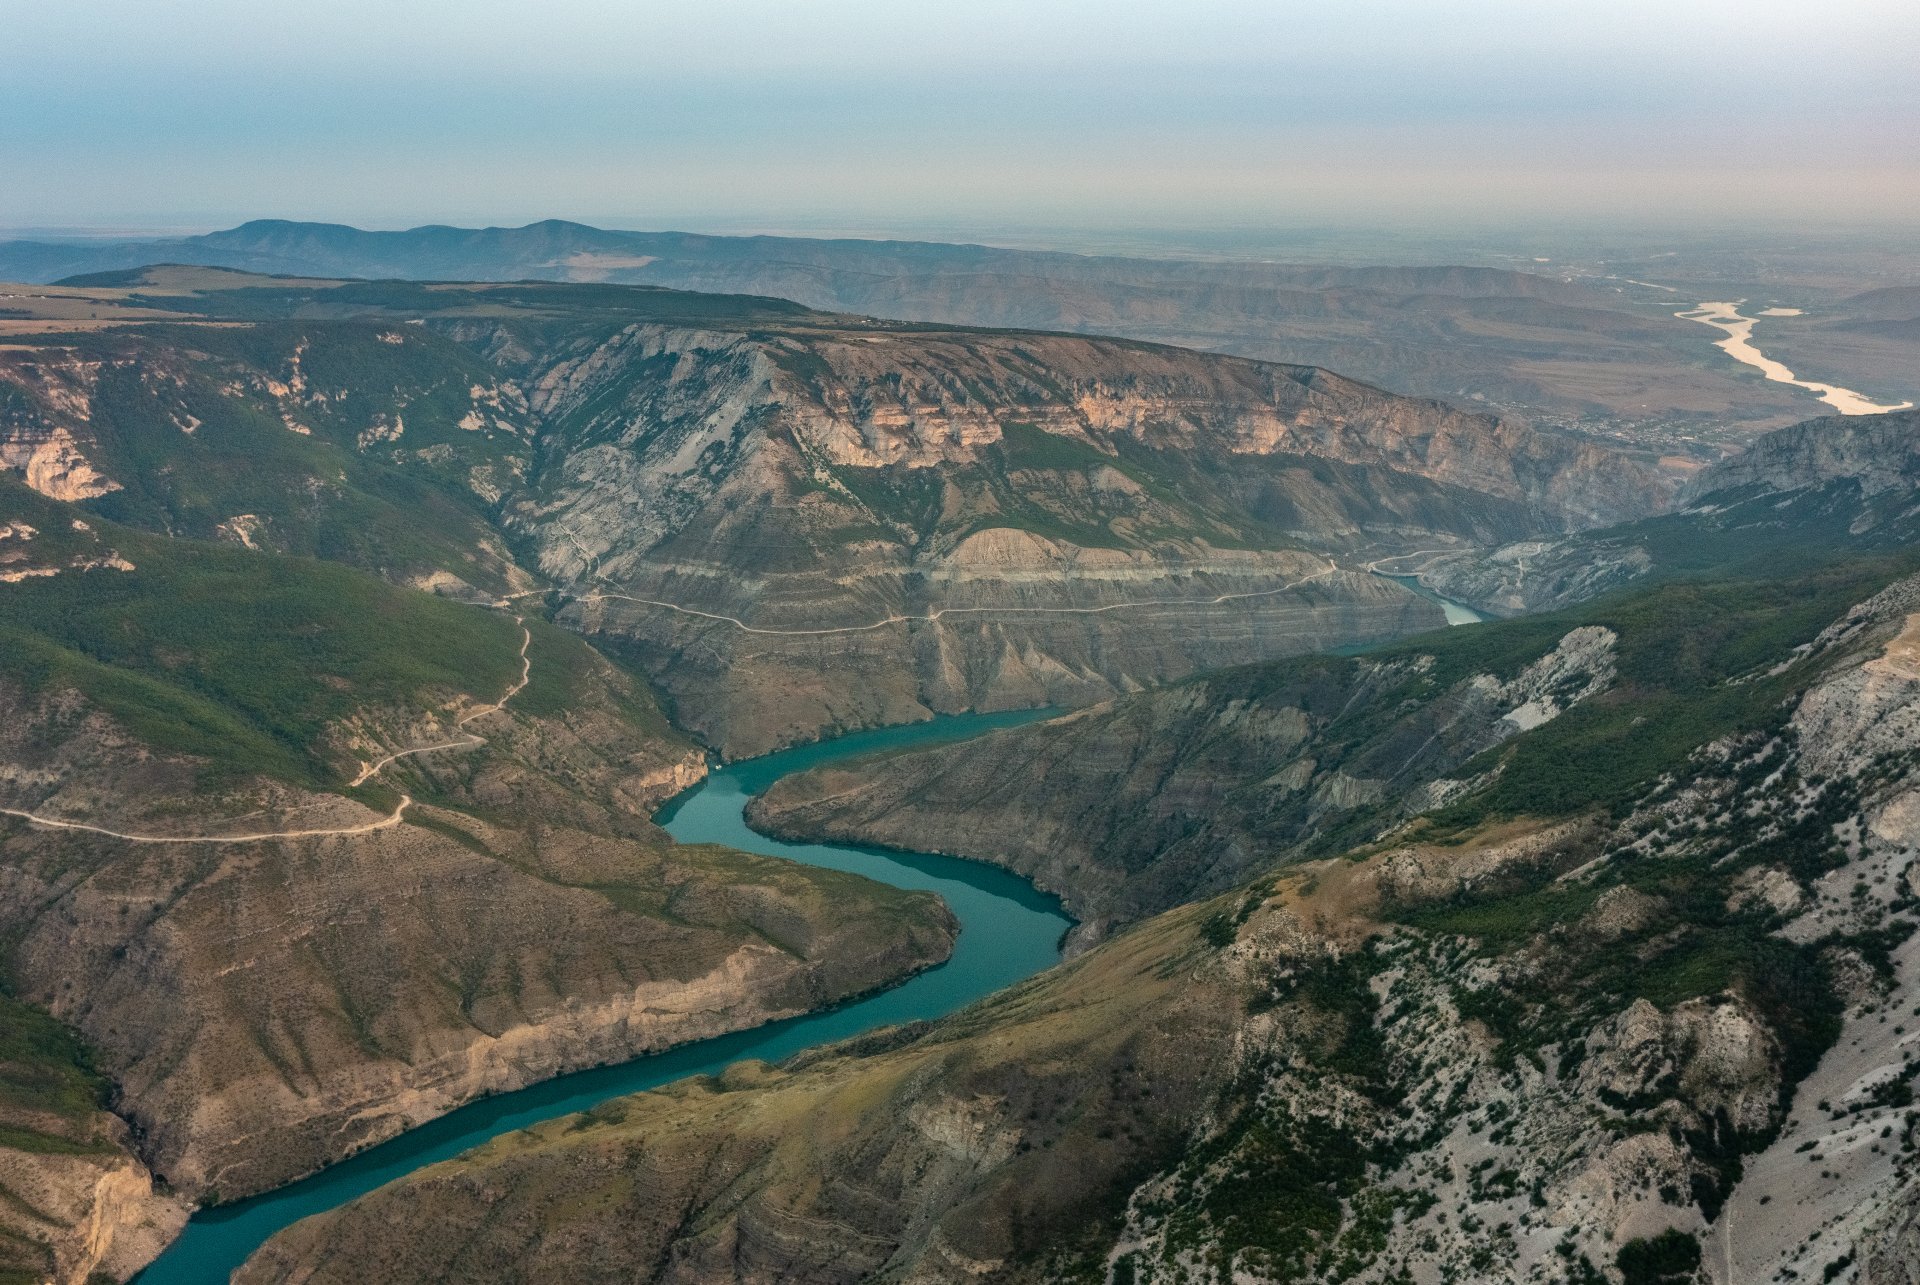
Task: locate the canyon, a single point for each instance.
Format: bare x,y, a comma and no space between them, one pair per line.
384,615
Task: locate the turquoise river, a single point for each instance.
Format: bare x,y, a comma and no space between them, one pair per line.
1009,931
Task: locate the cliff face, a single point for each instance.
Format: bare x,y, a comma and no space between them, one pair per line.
796,522
1824,488
1493,1048
876,524
78,1202
1879,452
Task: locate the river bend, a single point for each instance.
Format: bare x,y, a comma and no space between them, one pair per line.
1008,932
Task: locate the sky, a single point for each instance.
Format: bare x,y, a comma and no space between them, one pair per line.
909,114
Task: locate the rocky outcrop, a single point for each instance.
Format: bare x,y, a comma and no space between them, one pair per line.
1506,1055
1878,452
1818,489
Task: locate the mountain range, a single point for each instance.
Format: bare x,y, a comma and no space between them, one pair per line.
1604,353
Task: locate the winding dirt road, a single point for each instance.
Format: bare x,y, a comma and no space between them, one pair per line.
1330,569
368,771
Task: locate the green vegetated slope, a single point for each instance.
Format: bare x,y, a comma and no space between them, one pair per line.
1544,1026
241,659
334,440
524,918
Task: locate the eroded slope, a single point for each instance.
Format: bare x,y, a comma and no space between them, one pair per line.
484,906
1564,1043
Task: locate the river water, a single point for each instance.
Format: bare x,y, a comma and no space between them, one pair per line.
1008,932
1458,613
1739,345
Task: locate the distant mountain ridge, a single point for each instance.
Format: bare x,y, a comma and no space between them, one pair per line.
1520,341
555,249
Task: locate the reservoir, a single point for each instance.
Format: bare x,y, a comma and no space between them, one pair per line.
1008,932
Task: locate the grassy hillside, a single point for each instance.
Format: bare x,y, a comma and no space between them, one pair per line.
337,440
239,657
1699,658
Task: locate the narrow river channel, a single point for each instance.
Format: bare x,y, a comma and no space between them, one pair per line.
1008,932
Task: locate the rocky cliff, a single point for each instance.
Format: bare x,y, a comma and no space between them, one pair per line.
795,522
1657,1039
878,524
1879,453
1820,489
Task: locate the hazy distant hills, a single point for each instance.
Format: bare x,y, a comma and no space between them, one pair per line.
559,250
1518,341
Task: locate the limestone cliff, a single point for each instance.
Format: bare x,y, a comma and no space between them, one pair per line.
835,526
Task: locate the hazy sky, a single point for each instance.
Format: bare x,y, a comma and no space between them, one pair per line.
1119,113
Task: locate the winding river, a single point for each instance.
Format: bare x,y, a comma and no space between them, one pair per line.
1009,931
1739,345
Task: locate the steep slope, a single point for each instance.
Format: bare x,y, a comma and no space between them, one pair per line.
1133,807
374,444
74,1200
795,522
1158,798
308,859
1880,453
1568,1042
1818,490
1085,515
